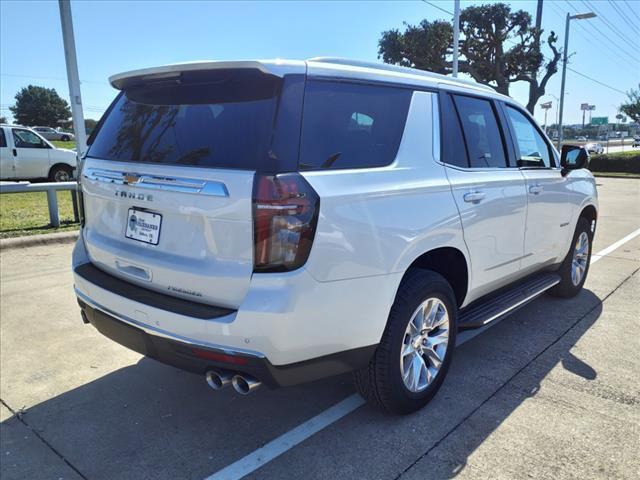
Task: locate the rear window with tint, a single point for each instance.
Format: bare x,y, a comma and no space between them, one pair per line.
224,120
348,125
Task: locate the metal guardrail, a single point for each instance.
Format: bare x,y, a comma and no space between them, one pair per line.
50,188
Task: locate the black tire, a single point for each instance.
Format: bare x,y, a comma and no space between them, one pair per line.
381,383
61,173
65,138
567,288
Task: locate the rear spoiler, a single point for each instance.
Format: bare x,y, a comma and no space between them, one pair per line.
269,67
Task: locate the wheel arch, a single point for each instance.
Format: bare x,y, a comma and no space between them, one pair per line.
449,262
589,212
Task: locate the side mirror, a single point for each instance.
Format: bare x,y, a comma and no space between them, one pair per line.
573,157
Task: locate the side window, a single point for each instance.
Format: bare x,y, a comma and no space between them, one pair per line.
532,150
481,132
3,139
348,125
26,139
454,151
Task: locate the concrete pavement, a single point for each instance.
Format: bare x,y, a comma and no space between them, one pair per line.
550,392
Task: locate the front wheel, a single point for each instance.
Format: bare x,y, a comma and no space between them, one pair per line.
415,351
65,138
61,173
574,268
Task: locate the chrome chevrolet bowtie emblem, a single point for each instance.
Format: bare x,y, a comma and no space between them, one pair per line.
130,178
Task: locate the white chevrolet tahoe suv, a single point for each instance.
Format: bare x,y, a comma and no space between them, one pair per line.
276,222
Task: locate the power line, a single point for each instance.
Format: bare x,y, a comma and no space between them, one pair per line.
626,20
608,24
614,49
596,81
617,46
438,7
547,59
631,10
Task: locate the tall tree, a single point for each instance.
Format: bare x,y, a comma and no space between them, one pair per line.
632,106
39,106
485,54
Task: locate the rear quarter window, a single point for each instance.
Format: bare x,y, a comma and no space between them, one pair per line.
348,125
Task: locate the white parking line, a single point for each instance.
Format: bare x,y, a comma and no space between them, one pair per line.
290,439
285,442
602,253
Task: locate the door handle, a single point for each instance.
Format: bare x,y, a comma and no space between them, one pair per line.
536,189
15,152
474,197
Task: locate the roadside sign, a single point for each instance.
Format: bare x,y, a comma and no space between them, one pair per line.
600,121
545,105
584,106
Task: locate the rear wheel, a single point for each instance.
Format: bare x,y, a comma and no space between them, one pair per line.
60,173
414,354
574,268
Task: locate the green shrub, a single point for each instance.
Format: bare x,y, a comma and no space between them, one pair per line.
623,162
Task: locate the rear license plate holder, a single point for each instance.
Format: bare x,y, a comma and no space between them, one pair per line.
143,226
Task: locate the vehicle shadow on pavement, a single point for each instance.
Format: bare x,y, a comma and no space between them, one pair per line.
545,342
491,376
153,421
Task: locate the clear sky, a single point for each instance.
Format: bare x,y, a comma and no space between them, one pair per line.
115,36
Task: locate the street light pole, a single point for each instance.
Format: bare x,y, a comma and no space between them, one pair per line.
456,35
72,76
579,16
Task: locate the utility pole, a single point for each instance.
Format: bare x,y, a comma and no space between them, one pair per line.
536,43
456,35
68,39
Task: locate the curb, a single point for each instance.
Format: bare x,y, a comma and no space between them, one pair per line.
606,175
38,240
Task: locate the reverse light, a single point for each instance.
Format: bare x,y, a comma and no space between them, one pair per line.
285,214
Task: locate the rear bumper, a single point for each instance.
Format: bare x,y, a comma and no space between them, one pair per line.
290,328
189,356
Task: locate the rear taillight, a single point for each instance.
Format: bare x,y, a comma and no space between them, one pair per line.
285,214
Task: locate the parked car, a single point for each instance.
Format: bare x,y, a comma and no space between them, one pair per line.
636,142
582,139
25,155
53,134
595,148
257,242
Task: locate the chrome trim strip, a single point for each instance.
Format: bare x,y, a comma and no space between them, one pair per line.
524,300
182,185
163,333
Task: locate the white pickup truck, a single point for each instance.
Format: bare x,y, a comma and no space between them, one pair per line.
25,155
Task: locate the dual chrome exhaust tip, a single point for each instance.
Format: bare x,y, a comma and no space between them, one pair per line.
243,384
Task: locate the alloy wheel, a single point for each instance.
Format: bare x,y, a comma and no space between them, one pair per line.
580,257
424,345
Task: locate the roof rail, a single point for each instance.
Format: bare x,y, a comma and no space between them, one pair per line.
397,68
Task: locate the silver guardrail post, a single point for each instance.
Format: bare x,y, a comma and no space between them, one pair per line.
52,200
